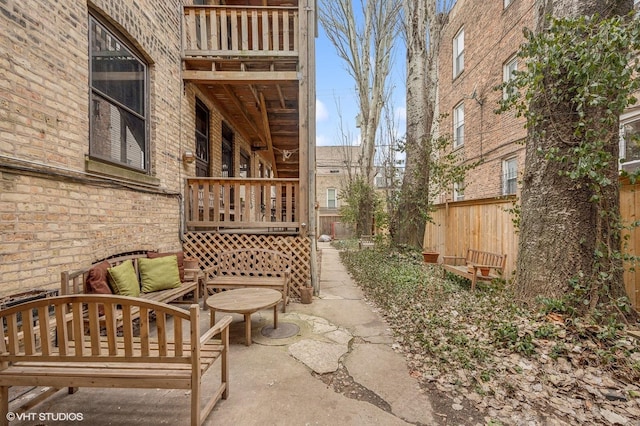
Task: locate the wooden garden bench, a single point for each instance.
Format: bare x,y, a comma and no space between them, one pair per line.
76,282
47,342
366,241
474,264
251,267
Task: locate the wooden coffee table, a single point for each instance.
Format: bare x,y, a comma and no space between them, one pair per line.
245,301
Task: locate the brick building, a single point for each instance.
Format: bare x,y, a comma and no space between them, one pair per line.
333,165
477,53
120,121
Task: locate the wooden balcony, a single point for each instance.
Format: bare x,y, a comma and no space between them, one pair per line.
233,204
249,58
237,31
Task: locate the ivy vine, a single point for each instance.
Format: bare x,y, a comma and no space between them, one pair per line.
590,65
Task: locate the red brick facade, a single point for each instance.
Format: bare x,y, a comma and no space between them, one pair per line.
492,35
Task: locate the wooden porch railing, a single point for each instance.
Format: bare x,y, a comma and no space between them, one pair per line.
240,31
241,203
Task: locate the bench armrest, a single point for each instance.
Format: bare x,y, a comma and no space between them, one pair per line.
210,272
216,329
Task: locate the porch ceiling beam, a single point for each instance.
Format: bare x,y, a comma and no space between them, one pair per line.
229,117
281,96
242,110
284,111
254,92
239,77
265,124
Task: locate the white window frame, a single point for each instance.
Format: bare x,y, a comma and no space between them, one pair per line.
508,69
333,198
458,125
458,53
509,175
625,120
458,191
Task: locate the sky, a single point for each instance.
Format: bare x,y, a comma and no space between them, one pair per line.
334,86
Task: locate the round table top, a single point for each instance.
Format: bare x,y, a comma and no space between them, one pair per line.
244,300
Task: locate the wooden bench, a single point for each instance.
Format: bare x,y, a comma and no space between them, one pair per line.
241,268
470,266
75,282
366,241
47,343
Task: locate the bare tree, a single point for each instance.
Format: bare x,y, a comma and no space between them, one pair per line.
390,166
422,29
364,40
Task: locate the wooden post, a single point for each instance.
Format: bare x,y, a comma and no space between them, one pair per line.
304,114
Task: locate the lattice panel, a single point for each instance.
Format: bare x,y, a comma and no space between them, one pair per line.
204,246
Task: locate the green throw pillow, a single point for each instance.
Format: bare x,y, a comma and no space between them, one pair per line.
123,279
160,273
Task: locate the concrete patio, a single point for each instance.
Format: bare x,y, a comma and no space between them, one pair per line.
338,367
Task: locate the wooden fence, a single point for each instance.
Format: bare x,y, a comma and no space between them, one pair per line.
629,210
481,224
487,225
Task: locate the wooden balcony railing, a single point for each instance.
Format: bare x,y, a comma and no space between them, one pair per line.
240,31
240,203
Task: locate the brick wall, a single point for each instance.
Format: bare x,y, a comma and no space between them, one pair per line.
55,214
492,36
331,170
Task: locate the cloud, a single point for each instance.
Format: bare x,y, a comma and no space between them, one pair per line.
401,113
322,113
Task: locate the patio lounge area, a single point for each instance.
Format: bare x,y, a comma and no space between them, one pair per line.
283,380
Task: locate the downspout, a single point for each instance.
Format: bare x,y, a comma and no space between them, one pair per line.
182,217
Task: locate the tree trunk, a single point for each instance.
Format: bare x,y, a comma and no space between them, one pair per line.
420,19
560,226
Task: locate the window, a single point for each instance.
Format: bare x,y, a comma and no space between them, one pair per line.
118,117
245,165
202,139
630,143
458,126
332,200
227,151
508,70
509,176
458,53
458,191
